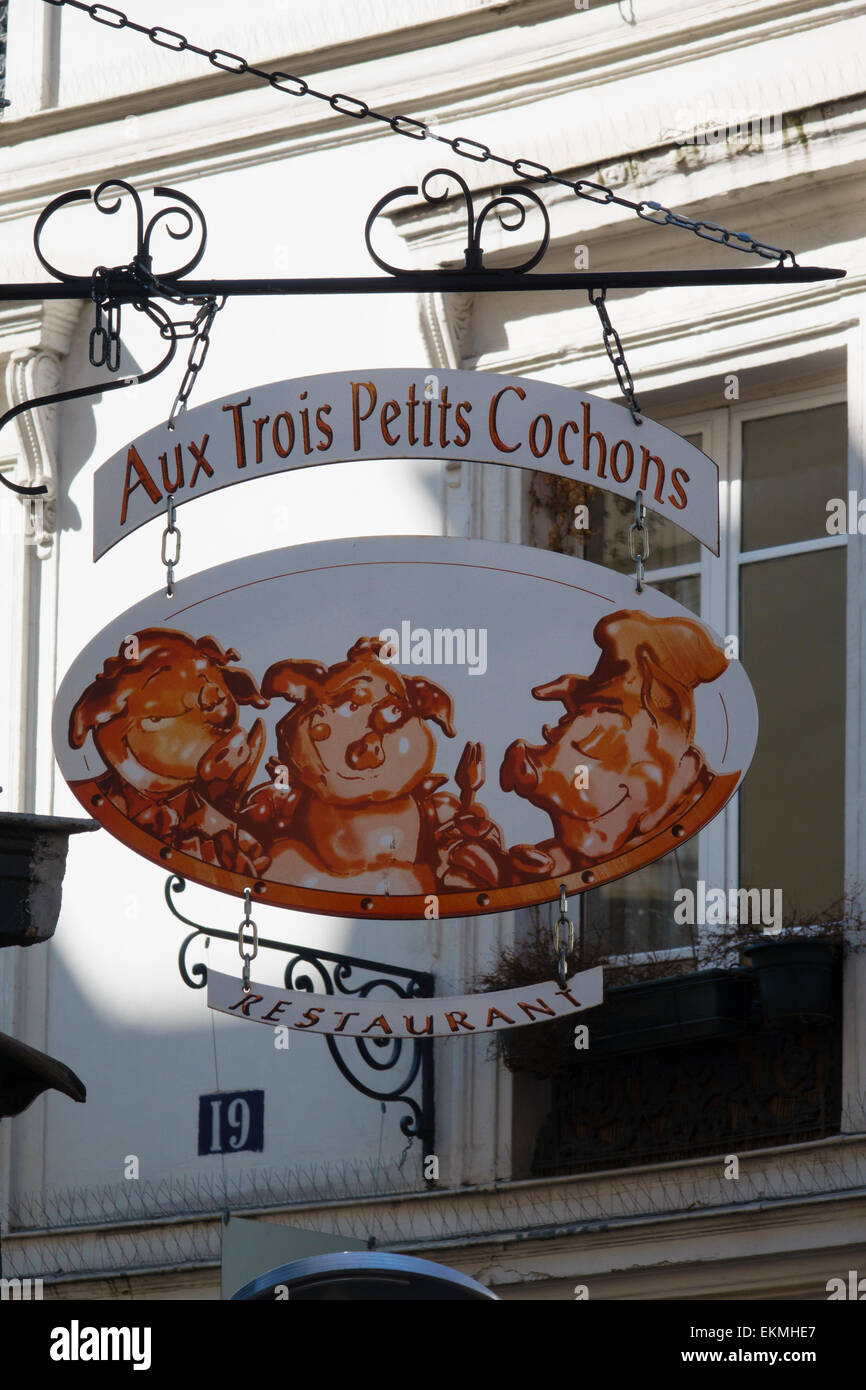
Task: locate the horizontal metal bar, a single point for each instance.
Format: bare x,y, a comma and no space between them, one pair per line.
434,281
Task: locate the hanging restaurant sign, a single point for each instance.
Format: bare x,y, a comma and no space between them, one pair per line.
395,413
354,727
404,1018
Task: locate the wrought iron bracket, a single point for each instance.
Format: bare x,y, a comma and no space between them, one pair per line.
136,284
367,1064
110,288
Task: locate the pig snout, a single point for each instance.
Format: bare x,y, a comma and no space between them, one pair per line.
214,703
518,772
367,753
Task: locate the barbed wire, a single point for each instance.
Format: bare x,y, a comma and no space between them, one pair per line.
408,126
402,1218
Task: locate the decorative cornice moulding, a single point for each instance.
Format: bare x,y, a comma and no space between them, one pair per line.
256,130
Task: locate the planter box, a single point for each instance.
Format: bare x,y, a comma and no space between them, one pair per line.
32,865
659,1013
655,1013
795,980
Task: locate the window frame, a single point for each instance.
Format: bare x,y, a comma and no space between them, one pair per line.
721,431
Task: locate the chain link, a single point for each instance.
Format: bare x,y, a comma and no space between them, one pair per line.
201,324
197,328
104,342
563,945
420,130
247,924
170,561
616,352
638,540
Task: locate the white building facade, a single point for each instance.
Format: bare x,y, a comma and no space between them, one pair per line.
750,116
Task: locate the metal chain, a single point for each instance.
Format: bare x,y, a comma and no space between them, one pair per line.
419,130
170,562
104,342
616,352
560,949
201,324
247,924
638,540
197,328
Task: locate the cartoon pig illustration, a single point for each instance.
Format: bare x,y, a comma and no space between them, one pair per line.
163,714
621,760
362,810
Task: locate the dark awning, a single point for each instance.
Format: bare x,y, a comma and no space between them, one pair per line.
25,1073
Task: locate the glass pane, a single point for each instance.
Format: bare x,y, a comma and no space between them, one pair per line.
686,590
636,913
554,524
792,466
791,805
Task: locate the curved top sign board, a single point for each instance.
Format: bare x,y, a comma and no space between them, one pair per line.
405,727
405,413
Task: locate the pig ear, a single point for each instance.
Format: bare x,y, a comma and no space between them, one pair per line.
100,703
294,680
241,684
431,702
662,695
366,646
564,688
688,787
210,647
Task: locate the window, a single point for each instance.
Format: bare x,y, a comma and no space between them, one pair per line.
792,634
779,586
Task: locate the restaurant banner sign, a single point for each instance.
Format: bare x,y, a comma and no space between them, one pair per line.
405,727
404,1018
405,413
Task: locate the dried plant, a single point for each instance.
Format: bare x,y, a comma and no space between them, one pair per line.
842,922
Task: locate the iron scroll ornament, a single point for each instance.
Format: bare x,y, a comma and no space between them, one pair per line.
335,972
141,263
134,283
508,198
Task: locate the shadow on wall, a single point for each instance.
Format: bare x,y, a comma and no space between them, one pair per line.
132,1150
76,421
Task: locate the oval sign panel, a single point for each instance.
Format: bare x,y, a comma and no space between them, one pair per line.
405,727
